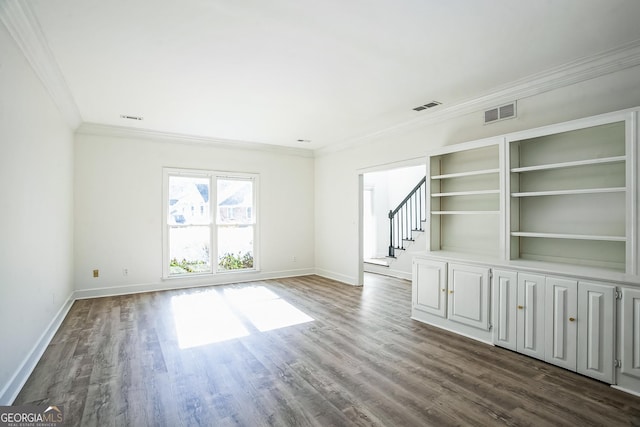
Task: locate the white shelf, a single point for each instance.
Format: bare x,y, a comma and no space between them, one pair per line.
569,192
569,236
465,212
604,160
466,193
469,173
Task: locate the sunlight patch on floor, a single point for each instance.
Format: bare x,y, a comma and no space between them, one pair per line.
207,317
265,309
204,318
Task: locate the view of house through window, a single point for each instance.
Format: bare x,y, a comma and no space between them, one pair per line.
235,223
191,238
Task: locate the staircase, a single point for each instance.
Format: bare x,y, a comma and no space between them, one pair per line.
406,229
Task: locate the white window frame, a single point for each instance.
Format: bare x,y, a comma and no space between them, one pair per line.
213,176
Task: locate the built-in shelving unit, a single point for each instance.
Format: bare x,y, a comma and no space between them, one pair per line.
568,195
465,199
562,194
545,222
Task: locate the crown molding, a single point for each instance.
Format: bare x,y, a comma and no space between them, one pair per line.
25,29
607,62
179,138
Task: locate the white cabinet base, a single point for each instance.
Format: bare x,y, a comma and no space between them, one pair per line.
448,325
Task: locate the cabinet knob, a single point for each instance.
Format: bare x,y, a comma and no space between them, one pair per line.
520,307
444,290
572,319
450,292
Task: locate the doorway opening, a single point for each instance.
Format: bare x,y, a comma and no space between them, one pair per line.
381,192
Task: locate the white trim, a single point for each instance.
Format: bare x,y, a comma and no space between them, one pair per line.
25,29
387,271
626,390
15,384
339,277
178,138
632,140
189,282
409,163
607,62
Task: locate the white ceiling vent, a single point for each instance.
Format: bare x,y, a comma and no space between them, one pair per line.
427,105
503,112
125,116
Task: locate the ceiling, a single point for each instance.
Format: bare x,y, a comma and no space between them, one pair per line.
329,71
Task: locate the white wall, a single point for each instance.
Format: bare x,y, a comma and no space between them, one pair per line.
36,217
118,210
336,173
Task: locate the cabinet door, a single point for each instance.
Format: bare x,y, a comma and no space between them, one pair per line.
469,295
429,286
596,329
630,332
561,331
530,317
504,289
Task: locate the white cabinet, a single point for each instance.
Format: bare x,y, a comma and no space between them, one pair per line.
562,321
596,330
530,315
630,332
561,331
429,286
452,296
504,291
468,295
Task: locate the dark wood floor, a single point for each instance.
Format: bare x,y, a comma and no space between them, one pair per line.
361,361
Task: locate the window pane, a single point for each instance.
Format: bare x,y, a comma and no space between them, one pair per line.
235,247
189,250
188,201
235,201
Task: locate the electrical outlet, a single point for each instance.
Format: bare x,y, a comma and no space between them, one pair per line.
294,259
96,273
125,271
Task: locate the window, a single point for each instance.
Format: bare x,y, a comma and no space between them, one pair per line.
210,223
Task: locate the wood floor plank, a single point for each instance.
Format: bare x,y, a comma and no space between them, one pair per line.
361,361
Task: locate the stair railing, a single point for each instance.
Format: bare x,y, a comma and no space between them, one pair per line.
407,217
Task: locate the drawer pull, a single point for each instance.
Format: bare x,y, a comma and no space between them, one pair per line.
572,319
520,307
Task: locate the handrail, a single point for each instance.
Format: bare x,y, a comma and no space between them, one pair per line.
407,217
415,189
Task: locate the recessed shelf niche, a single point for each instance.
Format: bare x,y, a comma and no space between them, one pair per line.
465,200
568,197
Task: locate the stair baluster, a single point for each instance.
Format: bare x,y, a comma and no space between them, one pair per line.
407,217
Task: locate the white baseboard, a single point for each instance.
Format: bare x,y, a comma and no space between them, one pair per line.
11,390
387,271
626,390
183,283
337,276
